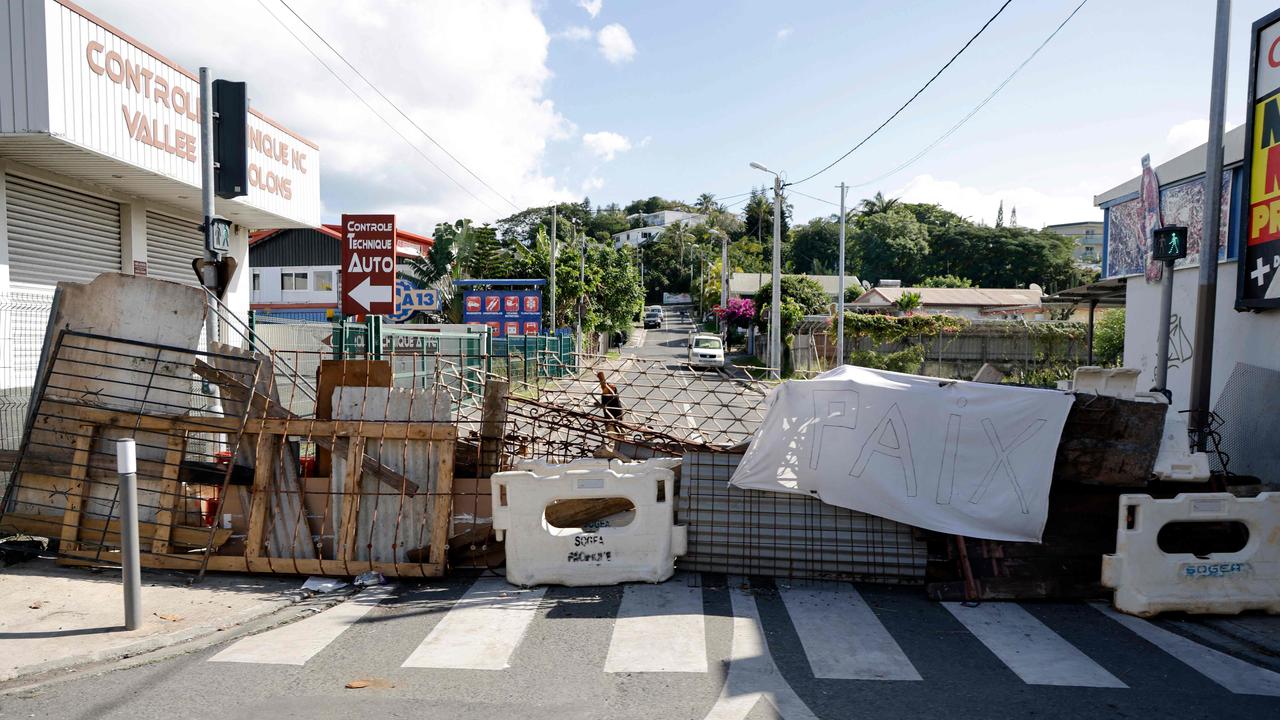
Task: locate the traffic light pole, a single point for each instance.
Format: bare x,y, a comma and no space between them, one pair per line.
1162,338
209,271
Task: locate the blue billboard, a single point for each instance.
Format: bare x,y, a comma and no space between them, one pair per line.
506,312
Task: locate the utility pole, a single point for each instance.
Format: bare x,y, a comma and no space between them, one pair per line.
209,272
552,280
1206,290
775,309
840,285
582,284
724,284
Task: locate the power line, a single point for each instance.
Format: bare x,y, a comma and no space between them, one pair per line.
396,107
980,105
814,197
373,110
909,100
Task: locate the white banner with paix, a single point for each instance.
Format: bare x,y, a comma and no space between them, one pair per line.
958,457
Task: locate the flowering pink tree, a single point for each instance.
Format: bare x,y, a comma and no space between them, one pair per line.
738,313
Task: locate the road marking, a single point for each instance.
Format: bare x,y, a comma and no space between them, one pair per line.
659,628
752,672
296,643
1231,673
1029,648
481,631
843,638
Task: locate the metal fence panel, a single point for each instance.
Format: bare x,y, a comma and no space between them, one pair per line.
750,532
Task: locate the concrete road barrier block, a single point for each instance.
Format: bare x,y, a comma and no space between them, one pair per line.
1148,580
643,549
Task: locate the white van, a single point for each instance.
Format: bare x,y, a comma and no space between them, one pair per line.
705,350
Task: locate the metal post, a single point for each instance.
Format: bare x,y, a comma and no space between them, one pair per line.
724,284
130,564
209,275
1162,334
582,286
1093,308
1206,290
840,285
552,279
775,310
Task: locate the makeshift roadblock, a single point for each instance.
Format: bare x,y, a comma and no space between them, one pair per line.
1148,581
643,549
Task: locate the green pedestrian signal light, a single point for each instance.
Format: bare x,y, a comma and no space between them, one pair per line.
1169,243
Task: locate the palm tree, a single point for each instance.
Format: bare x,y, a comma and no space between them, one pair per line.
877,204
706,203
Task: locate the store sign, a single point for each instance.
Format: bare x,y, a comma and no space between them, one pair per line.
368,264
410,299
506,312
1259,266
114,96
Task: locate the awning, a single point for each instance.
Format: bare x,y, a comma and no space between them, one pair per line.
1104,293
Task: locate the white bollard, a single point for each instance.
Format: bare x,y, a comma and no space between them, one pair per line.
130,565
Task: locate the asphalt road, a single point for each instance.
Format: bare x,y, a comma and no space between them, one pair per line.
694,647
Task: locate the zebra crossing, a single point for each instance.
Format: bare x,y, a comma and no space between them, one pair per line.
665,628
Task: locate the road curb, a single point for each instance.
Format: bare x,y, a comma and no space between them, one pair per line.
155,649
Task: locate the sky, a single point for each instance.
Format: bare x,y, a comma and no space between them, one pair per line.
549,100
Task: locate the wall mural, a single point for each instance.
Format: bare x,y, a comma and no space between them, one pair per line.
1128,247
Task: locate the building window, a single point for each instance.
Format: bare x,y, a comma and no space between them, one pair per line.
257,282
293,281
324,280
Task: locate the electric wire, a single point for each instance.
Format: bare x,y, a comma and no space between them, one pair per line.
909,100
980,105
373,110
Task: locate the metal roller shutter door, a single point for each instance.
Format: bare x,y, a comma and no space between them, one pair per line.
172,243
57,234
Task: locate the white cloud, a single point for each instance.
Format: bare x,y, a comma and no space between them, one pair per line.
784,33
592,184
615,43
1187,135
605,145
644,141
466,86
1035,207
575,33
591,6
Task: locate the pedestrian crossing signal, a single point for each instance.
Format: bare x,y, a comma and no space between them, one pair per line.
1169,243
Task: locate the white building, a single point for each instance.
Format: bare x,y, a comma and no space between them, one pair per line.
745,284
100,159
1246,348
652,225
1087,238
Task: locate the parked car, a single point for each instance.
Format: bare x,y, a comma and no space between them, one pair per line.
653,317
705,350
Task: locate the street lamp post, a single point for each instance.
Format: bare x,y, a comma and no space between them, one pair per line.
724,283
775,305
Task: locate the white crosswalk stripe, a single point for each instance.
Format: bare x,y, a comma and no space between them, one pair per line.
298,642
1029,648
481,631
1231,673
842,637
660,628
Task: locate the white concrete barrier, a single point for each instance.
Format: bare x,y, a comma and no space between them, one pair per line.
1116,382
644,549
1148,580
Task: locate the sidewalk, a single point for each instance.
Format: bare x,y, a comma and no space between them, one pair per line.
52,617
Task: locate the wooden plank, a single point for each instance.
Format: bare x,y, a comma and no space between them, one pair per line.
442,504
345,373
279,566
79,474
350,501
169,495
493,420
51,526
263,476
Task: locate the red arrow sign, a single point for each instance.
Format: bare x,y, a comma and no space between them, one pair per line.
368,264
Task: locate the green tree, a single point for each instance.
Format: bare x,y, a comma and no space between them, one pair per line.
758,217
804,292
815,248
945,281
1108,337
488,258
894,245
877,204
1000,215
908,301
431,269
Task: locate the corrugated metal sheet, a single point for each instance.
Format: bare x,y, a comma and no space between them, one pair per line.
296,248
172,243
58,234
24,100
749,532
